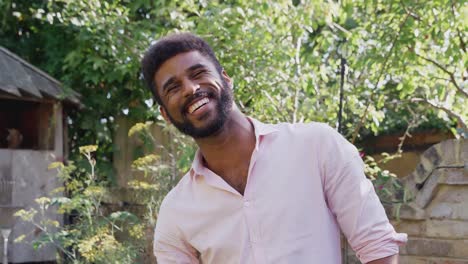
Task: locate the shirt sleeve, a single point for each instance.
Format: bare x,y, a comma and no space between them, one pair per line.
352,199
169,245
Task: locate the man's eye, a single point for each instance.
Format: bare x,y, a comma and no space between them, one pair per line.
171,88
198,74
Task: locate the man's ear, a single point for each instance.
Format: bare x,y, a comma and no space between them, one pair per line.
228,79
164,114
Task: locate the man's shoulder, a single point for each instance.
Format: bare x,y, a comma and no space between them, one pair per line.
178,193
315,136
311,129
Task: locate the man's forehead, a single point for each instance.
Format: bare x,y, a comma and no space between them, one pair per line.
182,62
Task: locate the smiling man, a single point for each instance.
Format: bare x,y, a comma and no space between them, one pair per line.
256,193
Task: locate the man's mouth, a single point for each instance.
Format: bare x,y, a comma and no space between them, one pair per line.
197,105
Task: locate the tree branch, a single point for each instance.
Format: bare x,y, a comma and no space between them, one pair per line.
382,70
462,43
274,104
297,61
411,12
452,76
450,112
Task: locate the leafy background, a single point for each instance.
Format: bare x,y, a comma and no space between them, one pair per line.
404,65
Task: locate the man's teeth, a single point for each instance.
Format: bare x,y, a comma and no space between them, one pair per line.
196,105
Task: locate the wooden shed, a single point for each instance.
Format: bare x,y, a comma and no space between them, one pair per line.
32,135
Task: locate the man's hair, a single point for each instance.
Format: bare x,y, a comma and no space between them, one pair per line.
168,47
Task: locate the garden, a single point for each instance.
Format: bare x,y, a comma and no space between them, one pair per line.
367,68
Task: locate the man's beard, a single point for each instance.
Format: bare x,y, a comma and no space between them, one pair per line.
223,108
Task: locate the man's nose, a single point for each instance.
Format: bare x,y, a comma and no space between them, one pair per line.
190,87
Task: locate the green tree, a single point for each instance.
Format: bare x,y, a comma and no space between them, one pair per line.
285,57
404,62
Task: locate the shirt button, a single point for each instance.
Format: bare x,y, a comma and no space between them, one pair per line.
246,204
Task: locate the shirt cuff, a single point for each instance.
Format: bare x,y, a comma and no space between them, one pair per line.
384,248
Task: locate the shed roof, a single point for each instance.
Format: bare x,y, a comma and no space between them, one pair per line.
20,79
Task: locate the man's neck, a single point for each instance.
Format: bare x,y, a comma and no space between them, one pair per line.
231,147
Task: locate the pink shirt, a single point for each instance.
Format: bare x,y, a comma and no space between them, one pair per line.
305,182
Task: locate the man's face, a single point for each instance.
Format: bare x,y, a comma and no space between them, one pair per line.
195,98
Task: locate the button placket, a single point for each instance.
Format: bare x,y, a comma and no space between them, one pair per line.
249,206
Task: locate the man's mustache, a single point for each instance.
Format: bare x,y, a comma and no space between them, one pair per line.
198,94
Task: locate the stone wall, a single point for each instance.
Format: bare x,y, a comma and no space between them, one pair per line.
436,220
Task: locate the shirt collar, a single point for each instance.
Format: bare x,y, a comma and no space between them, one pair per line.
260,130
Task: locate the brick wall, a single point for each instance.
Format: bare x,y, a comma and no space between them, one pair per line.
436,220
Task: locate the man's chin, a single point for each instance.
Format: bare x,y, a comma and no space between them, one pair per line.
201,131
210,122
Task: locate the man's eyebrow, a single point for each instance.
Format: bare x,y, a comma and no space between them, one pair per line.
195,67
168,82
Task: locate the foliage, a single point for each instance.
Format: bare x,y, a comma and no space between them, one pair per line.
93,236
159,173
420,53
404,65
388,187
285,57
